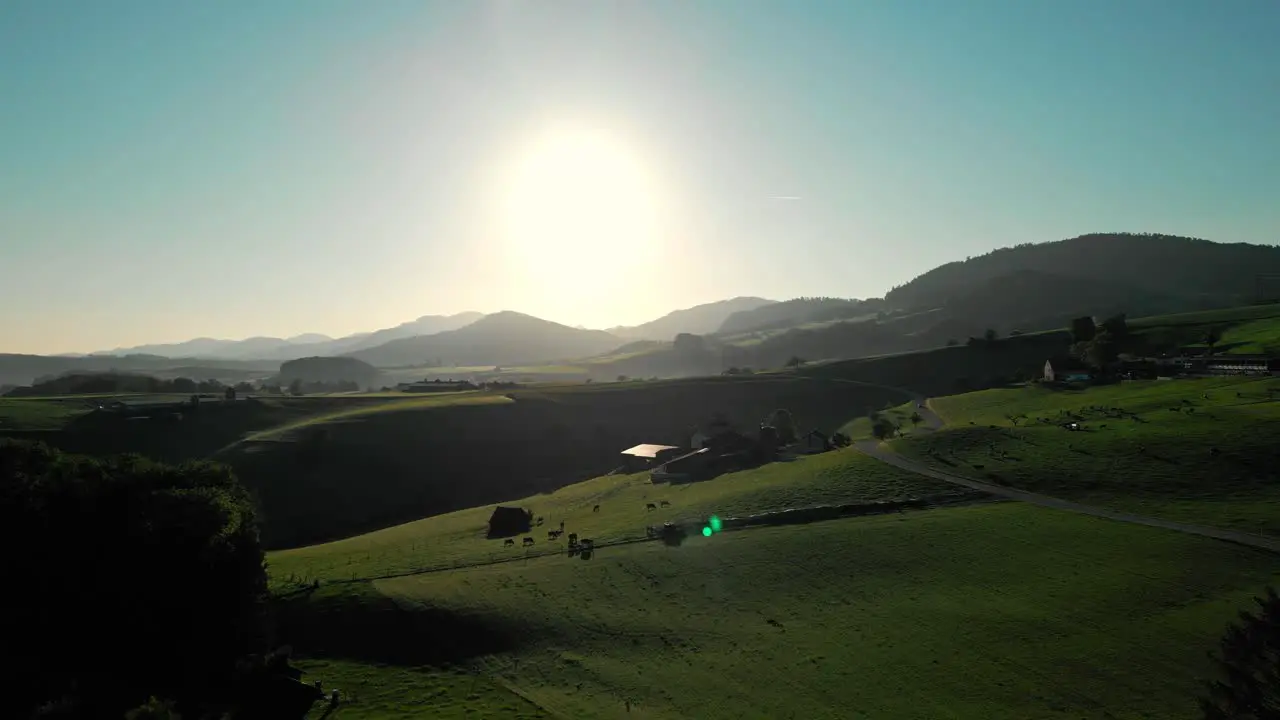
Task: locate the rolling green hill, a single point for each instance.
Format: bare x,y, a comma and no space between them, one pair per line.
1196,451
355,472
989,611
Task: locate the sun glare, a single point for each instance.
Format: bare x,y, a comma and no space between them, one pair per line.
580,199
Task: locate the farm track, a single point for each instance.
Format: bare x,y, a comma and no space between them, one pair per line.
882,453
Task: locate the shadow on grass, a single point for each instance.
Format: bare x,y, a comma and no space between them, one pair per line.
356,622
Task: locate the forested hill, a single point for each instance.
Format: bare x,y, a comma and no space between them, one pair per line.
1201,272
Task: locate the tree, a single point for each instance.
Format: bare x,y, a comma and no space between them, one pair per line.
990,335
1082,329
1250,663
229,393
1211,337
295,387
170,559
622,378
795,361
1117,326
1101,351
782,421
883,428
915,419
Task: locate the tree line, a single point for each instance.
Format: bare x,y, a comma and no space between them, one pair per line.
129,579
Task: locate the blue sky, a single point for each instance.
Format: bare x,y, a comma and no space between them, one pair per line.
171,170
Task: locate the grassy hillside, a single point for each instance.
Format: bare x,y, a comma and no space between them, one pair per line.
355,472
1147,446
988,611
458,538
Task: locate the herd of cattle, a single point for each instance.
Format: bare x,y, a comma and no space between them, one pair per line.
576,544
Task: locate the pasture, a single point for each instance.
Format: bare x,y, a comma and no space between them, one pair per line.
338,475
1000,610
1195,450
458,538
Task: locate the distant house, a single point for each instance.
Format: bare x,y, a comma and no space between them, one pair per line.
508,521
1242,365
815,442
647,455
1066,370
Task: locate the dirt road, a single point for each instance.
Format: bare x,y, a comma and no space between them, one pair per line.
882,453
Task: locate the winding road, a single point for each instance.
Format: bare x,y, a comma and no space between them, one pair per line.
932,422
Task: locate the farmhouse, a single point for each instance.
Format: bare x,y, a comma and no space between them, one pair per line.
647,454
1242,365
508,521
1066,370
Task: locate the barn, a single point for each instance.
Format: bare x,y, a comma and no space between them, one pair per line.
508,521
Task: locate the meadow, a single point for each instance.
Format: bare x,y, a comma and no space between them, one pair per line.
1192,450
999,610
331,476
458,538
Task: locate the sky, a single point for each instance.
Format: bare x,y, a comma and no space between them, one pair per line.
231,169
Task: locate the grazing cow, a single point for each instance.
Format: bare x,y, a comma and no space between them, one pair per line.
650,506
551,534
528,541
539,520
509,542
586,543
595,509
573,538
665,503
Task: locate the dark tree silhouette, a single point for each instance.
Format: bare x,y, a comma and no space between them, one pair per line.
1082,329
1249,662
138,579
990,335
1211,338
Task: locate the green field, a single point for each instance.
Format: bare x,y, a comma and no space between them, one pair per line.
1160,463
987,611
458,538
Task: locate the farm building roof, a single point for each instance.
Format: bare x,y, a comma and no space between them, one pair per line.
647,450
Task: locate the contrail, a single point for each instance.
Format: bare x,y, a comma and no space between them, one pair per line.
785,197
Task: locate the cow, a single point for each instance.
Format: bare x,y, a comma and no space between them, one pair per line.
665,503
510,542
539,519
595,509
573,538
528,541
586,543
551,534
650,506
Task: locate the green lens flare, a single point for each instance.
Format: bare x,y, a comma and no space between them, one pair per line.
706,532
716,524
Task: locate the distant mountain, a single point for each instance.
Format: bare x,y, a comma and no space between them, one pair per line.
698,320
795,312
24,369
425,325
299,346
1203,274
504,338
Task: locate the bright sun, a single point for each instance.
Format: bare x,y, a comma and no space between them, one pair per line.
580,200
